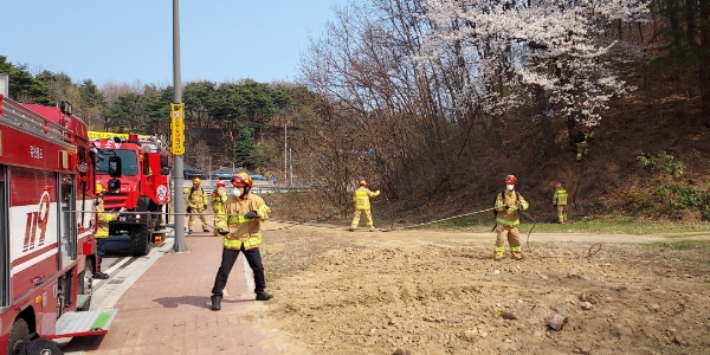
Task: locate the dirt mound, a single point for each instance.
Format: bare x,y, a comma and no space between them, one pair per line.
408,296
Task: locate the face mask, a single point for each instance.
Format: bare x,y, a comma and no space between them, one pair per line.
510,187
236,192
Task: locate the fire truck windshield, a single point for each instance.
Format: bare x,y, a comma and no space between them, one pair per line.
129,162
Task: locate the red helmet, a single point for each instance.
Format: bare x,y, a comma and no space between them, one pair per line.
511,179
241,179
585,130
559,185
221,183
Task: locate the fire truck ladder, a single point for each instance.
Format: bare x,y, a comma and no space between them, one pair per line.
23,119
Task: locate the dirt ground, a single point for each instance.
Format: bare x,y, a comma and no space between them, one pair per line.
419,292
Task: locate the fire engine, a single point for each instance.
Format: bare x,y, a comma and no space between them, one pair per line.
141,185
47,223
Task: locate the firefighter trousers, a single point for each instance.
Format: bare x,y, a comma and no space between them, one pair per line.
562,213
191,220
100,251
512,234
368,217
229,256
214,224
582,148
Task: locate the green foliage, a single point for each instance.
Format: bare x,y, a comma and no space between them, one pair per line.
243,146
23,86
663,162
91,94
678,196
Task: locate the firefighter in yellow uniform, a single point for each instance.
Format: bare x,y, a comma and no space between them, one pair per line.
582,141
559,199
508,204
362,205
219,196
196,203
102,219
239,221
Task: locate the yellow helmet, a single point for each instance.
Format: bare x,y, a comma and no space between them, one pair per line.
99,189
196,181
363,183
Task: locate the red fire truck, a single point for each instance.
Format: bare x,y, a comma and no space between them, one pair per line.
142,185
47,252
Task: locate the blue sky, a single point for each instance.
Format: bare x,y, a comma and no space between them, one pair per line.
125,41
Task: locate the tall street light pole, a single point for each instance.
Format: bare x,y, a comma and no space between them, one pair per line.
179,245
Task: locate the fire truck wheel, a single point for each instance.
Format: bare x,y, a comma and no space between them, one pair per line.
140,240
85,283
20,332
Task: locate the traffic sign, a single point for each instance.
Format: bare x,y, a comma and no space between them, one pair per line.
177,113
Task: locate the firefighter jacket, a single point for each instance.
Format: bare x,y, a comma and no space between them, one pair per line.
102,219
362,198
510,216
197,197
588,137
219,196
560,198
242,230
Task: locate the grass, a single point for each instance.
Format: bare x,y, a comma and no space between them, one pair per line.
484,222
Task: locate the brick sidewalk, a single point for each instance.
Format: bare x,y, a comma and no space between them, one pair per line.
167,310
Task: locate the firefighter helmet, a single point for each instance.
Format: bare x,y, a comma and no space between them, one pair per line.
586,130
559,185
242,179
99,189
363,183
196,181
511,179
221,183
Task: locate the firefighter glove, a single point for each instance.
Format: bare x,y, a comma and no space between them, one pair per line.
222,231
189,209
250,215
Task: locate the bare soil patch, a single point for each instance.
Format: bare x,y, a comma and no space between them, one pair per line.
421,293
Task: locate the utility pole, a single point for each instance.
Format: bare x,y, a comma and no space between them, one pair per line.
179,246
290,159
285,152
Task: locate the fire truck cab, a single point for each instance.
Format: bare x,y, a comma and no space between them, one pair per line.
142,185
47,225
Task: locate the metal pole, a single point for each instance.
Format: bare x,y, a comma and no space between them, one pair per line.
179,245
290,162
285,153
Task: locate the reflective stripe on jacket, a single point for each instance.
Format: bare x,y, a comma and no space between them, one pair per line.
242,230
509,216
197,197
560,198
102,219
362,198
219,195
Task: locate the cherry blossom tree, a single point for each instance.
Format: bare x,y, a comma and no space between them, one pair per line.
551,49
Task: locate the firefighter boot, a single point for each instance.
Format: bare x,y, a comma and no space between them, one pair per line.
263,296
216,303
372,229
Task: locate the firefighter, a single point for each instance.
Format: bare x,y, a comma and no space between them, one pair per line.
219,196
582,141
239,222
101,230
508,204
362,205
559,200
196,203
